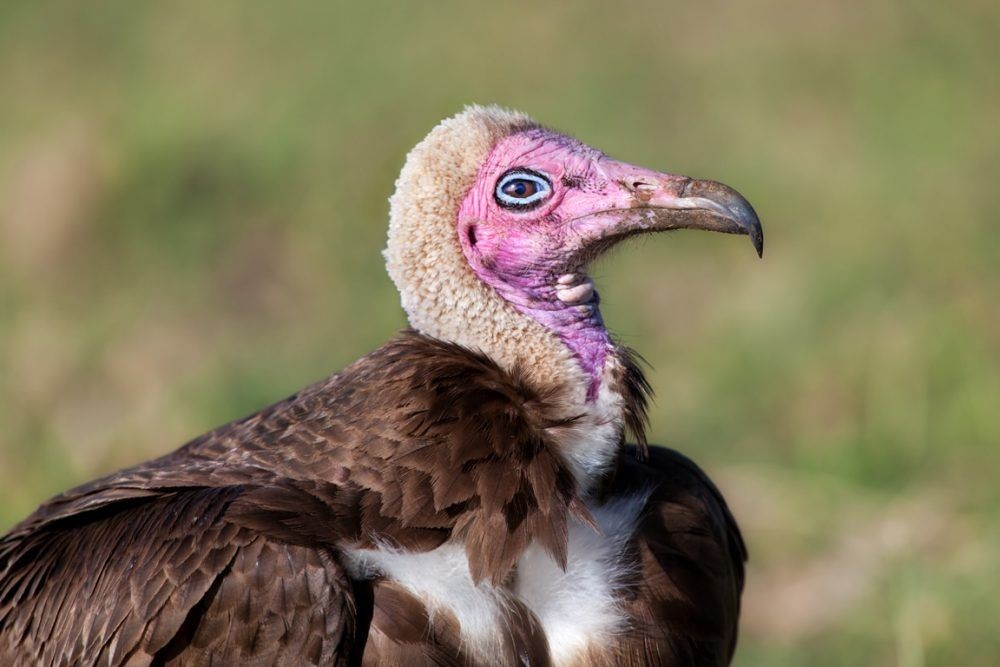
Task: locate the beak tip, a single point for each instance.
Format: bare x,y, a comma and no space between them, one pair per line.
721,201
750,225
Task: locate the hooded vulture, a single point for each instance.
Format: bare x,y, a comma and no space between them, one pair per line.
463,495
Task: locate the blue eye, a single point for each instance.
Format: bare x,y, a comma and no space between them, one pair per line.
522,188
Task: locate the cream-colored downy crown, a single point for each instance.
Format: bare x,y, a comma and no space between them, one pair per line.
440,293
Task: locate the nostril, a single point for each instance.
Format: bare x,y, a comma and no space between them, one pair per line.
643,190
643,185
471,233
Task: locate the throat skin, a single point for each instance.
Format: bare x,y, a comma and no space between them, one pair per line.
552,301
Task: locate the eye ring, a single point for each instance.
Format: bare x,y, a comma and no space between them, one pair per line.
522,189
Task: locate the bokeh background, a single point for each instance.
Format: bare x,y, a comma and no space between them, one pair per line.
193,203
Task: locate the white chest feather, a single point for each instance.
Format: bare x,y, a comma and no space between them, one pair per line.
576,608
579,606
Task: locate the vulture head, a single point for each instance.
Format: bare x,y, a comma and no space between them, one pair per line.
495,220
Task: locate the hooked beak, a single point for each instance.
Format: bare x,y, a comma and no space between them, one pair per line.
650,201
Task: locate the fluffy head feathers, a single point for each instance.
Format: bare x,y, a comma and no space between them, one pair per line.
440,293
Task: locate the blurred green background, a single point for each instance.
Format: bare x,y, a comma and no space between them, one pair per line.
193,203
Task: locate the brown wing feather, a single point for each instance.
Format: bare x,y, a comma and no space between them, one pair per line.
276,604
685,599
167,579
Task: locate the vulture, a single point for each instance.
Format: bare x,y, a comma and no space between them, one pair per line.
463,495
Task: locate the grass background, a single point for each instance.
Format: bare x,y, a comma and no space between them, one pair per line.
193,201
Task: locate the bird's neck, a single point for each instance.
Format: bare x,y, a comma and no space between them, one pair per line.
554,348
566,305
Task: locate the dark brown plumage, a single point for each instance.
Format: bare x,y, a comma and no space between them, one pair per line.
229,548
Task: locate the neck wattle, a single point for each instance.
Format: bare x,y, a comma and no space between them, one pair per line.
569,309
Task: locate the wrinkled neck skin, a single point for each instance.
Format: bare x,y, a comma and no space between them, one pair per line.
579,325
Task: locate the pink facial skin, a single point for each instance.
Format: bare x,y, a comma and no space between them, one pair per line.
595,201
